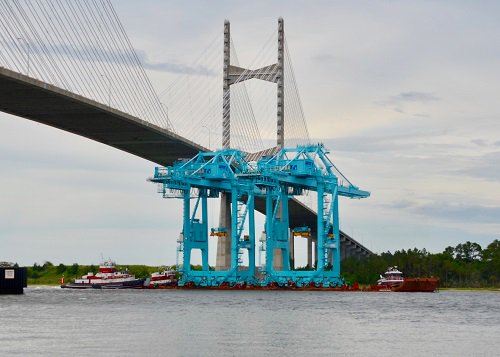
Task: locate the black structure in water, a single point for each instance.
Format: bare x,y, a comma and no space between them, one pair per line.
13,280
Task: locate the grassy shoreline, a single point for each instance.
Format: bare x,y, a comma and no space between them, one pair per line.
470,289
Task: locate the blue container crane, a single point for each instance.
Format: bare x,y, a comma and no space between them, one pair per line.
205,176
277,179
295,170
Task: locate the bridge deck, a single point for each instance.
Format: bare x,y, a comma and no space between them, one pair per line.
32,99
47,104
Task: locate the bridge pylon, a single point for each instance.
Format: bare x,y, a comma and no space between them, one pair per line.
233,75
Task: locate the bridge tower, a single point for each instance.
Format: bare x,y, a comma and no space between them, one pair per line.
232,75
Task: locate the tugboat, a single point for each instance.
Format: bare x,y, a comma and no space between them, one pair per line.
164,279
392,277
393,281
108,277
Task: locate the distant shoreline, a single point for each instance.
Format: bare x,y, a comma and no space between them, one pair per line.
496,290
471,289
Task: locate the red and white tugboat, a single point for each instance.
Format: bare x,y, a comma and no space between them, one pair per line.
108,277
392,277
393,281
166,278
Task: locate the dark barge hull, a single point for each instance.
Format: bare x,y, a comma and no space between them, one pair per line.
424,285
13,280
410,285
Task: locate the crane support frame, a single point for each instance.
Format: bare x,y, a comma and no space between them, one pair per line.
277,179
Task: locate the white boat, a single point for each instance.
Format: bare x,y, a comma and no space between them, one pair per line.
392,277
108,277
163,279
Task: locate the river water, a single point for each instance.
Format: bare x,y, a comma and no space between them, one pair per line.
63,322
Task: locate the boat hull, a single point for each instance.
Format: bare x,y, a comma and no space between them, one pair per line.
425,285
131,284
76,286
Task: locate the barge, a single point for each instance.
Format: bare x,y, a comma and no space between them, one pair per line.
13,279
393,280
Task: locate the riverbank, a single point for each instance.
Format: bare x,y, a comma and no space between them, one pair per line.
471,289
53,284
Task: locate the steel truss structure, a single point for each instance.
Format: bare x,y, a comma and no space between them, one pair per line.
290,172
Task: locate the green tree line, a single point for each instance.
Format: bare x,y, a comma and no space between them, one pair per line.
466,265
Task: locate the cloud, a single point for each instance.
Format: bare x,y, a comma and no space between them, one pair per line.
173,67
450,211
415,97
402,204
323,57
485,166
396,142
479,142
409,97
364,144
460,212
485,143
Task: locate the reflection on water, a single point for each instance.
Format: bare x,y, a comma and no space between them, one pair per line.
53,322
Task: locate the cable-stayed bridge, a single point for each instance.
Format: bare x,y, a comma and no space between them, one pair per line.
71,65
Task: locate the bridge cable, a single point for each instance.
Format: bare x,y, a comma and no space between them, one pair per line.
168,124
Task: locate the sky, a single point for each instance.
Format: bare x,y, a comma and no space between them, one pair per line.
404,94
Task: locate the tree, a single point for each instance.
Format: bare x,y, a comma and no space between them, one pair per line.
61,268
491,263
73,270
450,252
492,252
468,251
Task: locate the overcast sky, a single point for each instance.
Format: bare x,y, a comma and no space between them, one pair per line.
404,94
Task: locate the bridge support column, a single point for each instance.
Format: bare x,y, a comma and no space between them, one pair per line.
309,251
281,234
315,240
223,261
277,259
292,250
